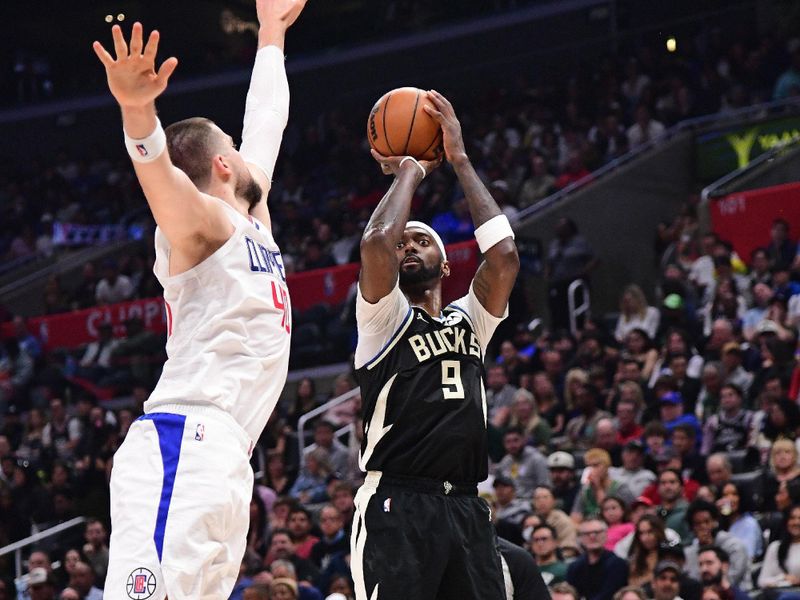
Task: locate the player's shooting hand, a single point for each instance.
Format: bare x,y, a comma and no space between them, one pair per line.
132,77
444,114
283,12
390,165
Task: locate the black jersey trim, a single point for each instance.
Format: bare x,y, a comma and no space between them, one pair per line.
392,340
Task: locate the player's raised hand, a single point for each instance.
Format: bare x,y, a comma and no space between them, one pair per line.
132,77
444,114
283,12
390,165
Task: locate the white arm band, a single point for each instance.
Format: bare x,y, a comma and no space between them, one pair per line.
147,149
494,230
266,111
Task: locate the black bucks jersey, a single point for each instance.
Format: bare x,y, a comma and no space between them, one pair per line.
423,392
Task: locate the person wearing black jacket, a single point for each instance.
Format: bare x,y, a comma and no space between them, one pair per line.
522,576
598,573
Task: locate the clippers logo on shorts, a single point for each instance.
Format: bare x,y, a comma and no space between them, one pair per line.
141,584
141,150
200,432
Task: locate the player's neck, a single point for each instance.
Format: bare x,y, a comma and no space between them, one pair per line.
430,300
226,194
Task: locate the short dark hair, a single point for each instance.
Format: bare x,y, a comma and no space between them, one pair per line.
299,509
686,429
191,146
323,424
549,528
722,555
675,472
516,430
698,506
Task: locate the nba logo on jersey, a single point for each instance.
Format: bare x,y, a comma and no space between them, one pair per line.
200,432
141,584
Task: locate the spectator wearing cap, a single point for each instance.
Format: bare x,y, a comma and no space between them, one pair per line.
714,564
562,473
731,428
632,472
597,487
703,517
544,505
672,415
597,574
507,507
544,548
735,373
673,506
666,581
41,585
113,287
524,465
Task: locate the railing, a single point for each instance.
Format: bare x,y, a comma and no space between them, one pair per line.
17,547
719,187
341,432
750,112
582,309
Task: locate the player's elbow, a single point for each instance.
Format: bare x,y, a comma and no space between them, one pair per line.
375,238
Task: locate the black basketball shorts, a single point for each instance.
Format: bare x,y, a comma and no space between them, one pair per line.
423,540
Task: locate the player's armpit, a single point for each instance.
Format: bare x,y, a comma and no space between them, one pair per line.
186,216
495,278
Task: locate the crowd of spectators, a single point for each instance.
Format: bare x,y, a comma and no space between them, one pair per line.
656,458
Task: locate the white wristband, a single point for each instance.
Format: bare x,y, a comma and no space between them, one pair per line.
416,162
495,229
147,149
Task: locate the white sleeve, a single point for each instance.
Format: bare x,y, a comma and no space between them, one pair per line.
377,323
483,322
266,111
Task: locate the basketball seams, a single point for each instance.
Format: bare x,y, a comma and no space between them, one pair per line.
437,136
411,126
385,131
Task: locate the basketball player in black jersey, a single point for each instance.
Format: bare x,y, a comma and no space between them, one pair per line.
420,531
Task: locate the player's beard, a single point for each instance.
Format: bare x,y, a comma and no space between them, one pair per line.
421,275
249,190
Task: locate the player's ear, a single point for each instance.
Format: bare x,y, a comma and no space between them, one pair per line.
220,166
445,269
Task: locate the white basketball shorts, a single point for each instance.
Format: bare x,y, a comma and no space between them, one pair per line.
180,506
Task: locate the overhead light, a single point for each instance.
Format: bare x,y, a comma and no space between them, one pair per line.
672,44
121,17
109,18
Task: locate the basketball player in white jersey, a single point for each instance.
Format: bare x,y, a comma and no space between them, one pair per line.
182,482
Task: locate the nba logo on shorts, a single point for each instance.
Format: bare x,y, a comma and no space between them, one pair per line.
387,505
141,584
200,432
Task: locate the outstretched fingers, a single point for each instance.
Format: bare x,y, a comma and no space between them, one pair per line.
120,47
151,48
103,55
167,68
136,39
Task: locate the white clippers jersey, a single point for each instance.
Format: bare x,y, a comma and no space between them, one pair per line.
229,323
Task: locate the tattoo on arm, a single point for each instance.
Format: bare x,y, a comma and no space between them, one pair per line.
482,206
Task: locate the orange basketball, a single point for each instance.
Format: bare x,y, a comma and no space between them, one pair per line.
398,125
